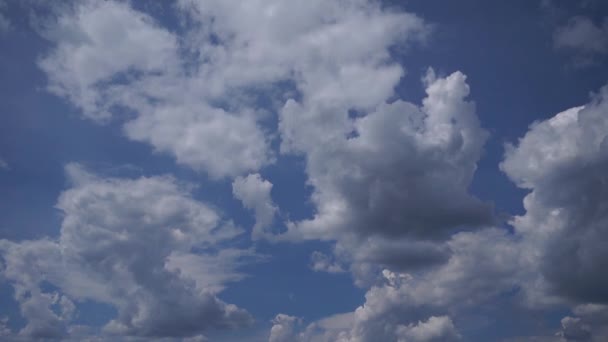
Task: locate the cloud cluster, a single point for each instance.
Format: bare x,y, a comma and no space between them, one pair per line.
197,95
554,257
385,174
143,246
283,328
200,96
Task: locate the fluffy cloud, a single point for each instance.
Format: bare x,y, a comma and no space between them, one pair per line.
404,171
202,95
268,41
254,193
283,327
392,184
100,40
143,246
564,162
483,266
390,178
321,57
111,60
434,329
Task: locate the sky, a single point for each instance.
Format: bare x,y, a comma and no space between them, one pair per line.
273,170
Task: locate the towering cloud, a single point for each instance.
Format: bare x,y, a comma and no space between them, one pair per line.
392,184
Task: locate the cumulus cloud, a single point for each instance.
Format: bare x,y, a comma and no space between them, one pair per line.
143,246
254,193
82,59
434,329
283,328
198,95
564,162
390,179
389,186
390,183
483,265
404,172
111,60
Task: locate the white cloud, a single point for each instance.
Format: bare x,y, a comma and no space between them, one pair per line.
3,165
390,178
390,186
434,329
283,328
254,193
110,60
330,53
563,161
143,246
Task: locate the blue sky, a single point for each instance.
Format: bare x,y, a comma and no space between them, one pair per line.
321,171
